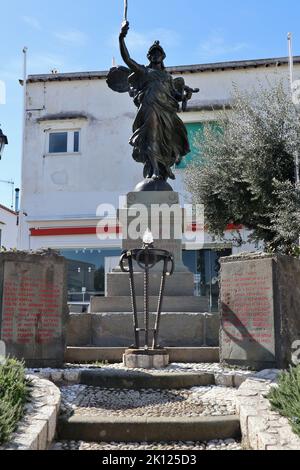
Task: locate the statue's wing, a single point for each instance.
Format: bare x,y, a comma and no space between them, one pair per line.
117,79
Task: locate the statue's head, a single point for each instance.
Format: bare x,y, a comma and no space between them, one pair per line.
156,54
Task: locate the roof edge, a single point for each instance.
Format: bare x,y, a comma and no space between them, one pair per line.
8,210
218,66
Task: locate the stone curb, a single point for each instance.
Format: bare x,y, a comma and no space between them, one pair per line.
143,380
91,429
83,355
262,428
73,376
37,429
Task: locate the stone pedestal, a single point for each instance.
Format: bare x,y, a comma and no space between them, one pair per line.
179,284
171,304
114,329
260,305
161,212
146,359
33,307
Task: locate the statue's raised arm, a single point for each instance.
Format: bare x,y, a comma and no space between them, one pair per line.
134,66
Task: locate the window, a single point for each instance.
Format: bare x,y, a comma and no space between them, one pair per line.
194,130
86,272
76,141
64,142
58,142
205,265
195,133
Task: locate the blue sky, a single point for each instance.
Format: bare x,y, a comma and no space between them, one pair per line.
77,35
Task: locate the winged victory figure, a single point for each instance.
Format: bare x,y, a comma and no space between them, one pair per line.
159,137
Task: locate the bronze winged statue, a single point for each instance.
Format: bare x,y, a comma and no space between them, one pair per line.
159,137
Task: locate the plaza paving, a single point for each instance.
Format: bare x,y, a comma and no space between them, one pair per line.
216,445
89,402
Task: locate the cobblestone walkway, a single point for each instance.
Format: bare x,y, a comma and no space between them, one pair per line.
201,401
217,445
193,402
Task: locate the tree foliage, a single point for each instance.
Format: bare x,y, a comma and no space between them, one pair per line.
245,173
286,397
14,393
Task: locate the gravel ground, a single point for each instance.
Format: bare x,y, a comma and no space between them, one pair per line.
196,401
173,367
217,445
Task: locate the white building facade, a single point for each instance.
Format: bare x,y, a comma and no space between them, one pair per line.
8,228
77,157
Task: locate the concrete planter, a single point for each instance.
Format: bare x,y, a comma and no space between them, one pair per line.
37,429
262,428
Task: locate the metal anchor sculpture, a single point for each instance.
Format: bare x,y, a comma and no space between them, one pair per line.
146,258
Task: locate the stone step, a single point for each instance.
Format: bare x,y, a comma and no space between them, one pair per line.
136,380
137,429
179,284
113,329
133,406
82,355
170,304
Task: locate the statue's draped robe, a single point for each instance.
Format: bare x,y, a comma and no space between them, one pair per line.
158,131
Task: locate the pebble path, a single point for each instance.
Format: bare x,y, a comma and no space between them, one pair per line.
193,402
217,445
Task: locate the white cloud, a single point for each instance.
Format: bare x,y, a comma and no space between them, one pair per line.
32,22
37,63
139,42
217,47
44,63
136,41
9,75
73,37
13,69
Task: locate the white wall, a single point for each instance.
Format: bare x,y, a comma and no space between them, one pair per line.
65,187
8,227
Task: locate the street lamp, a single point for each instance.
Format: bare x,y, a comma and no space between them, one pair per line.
3,142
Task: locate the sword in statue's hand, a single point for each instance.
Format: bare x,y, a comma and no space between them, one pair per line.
125,19
125,24
117,78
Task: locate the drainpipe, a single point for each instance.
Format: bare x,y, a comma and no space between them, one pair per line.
17,199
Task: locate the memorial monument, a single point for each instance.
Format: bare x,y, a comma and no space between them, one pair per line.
159,141
260,305
33,307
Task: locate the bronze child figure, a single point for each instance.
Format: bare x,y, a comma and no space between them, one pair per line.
159,137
